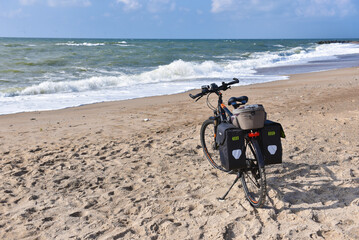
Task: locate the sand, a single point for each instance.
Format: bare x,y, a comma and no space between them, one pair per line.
101,172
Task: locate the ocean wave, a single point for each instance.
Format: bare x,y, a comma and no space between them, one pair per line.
49,87
13,45
298,55
25,63
11,71
177,70
47,62
89,44
124,45
180,70
86,44
5,81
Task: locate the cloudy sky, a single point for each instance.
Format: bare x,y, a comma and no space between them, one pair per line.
180,18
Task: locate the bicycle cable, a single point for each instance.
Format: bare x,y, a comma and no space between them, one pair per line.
209,105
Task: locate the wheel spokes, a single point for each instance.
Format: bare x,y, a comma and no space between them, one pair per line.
255,182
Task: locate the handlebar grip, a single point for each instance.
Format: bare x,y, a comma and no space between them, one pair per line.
235,80
195,96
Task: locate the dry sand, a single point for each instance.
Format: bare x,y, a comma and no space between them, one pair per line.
101,172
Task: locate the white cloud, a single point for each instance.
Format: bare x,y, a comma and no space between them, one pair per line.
328,8
242,6
12,14
184,9
58,3
130,4
68,3
27,2
305,8
153,6
221,5
156,6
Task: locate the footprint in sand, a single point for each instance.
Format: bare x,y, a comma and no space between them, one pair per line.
76,214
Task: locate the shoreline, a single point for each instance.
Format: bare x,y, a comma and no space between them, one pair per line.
99,171
193,90
45,82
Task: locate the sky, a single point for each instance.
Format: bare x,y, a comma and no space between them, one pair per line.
191,19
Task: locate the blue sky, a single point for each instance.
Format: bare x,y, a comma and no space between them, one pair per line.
180,18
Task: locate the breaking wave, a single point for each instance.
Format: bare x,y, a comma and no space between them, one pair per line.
180,70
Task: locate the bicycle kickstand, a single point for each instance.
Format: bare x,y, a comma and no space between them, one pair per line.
235,181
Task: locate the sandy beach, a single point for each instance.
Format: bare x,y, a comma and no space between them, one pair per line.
101,172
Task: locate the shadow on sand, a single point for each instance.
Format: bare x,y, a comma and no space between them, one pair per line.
315,187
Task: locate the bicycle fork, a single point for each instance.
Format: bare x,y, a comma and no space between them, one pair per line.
239,174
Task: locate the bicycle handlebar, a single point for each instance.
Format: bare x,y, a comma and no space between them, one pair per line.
235,80
213,88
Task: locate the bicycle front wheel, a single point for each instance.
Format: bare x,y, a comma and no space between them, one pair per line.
253,178
209,145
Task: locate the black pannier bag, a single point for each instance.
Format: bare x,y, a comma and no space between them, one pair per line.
270,142
231,146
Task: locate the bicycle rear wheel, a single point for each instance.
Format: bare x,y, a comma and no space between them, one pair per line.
209,145
253,178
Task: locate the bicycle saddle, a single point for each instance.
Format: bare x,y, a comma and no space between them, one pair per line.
237,101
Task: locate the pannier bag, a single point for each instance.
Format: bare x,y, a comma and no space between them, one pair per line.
249,117
270,142
231,146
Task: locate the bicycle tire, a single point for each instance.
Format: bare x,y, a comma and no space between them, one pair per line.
209,145
253,178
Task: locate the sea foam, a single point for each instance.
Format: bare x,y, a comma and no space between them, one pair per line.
71,43
180,70
66,83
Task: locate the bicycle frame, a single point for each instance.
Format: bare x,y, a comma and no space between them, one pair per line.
223,110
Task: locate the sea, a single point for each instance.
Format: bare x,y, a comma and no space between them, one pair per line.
46,74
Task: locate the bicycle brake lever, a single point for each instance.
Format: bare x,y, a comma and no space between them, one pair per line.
198,98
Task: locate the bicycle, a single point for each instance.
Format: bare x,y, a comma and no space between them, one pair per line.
253,175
